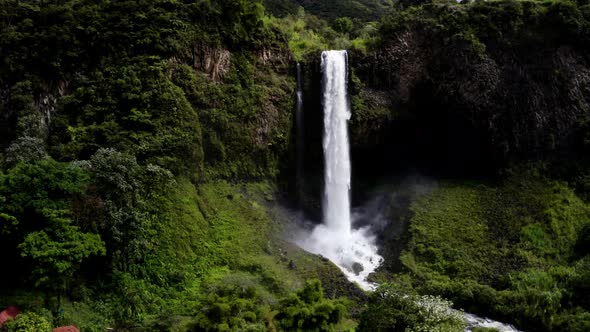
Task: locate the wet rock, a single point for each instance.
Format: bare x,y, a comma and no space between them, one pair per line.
357,268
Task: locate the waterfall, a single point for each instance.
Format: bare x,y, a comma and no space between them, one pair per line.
300,135
352,250
336,151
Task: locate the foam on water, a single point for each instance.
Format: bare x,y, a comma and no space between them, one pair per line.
354,251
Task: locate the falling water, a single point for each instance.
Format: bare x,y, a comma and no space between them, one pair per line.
353,251
300,145
336,151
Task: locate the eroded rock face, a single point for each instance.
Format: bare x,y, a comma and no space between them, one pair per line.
517,102
247,109
47,100
213,60
34,108
402,63
277,59
272,116
6,117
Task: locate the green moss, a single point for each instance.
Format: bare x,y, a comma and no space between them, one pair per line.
484,329
215,233
451,218
84,316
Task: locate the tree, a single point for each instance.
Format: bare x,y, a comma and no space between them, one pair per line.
392,309
135,109
308,310
26,190
35,221
58,250
125,188
25,149
342,25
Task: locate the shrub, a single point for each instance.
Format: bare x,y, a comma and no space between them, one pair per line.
28,322
391,308
308,310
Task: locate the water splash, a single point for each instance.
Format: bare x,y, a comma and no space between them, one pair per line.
476,321
354,251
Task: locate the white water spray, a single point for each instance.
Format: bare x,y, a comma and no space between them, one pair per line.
336,151
300,142
353,251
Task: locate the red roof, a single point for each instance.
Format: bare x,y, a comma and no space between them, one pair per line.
8,313
69,328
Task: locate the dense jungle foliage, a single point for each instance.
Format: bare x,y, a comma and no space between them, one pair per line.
489,85
363,10
147,151
122,123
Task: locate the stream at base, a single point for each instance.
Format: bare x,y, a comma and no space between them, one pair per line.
476,321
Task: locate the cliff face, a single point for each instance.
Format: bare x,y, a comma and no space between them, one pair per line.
38,104
231,110
214,61
475,91
245,102
526,105
205,86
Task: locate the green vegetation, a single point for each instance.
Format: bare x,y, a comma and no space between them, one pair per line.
28,322
506,250
140,143
507,22
392,309
362,10
308,310
513,246
125,83
308,34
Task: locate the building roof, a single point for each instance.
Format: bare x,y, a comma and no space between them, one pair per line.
8,313
69,328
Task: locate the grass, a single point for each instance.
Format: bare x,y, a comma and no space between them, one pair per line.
505,250
219,230
202,238
451,218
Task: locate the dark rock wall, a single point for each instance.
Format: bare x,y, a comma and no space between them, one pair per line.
457,106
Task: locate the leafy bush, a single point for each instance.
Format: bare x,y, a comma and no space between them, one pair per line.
342,24
27,322
308,310
25,149
390,309
236,302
